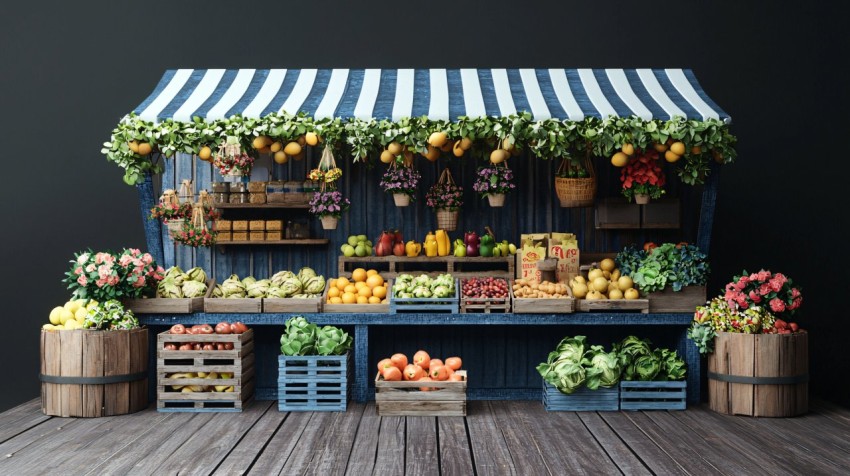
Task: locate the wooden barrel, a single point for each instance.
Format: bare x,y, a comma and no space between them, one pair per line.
762,375
94,373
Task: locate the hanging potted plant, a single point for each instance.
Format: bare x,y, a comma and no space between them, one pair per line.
493,182
170,211
196,232
233,163
643,178
328,203
446,198
401,181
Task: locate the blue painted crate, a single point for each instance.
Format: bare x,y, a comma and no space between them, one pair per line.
582,400
653,395
313,383
449,305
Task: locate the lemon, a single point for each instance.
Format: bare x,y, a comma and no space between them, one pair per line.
292,148
615,294
628,149
55,315
631,293
302,141
205,153
144,148
625,283
65,315
437,139
457,149
579,290
660,147
134,146
275,147
259,142
72,324
280,157
81,314
498,156
48,327
600,284
466,143
311,138
677,148
620,159
394,148
594,273
433,153
92,304
72,306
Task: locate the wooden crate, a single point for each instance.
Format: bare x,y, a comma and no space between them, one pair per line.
356,308
542,306
685,300
502,266
239,225
257,225
653,395
239,361
448,304
606,305
169,306
617,213
662,213
313,383
582,400
287,305
403,398
94,373
485,305
762,375
226,305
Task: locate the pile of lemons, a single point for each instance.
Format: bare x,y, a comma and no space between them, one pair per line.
70,316
364,287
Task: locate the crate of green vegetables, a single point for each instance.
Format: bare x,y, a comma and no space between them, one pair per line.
424,293
580,377
313,368
652,378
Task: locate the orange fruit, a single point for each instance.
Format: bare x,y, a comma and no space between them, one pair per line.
292,148
379,292
144,148
335,300
276,147
334,292
342,282
332,283
374,280
371,272
362,300
374,300
365,292
677,148
360,284
259,142
350,289
359,274
349,298
311,138
394,148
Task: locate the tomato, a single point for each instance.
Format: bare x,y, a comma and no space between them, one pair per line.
426,389
178,329
205,329
208,347
196,346
455,378
219,346
413,372
391,373
422,359
384,363
454,363
439,372
435,362
222,328
228,346
400,361
238,327
794,327
186,346
170,347
649,246
681,244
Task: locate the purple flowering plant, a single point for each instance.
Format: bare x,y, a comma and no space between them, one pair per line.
401,180
448,196
329,202
492,179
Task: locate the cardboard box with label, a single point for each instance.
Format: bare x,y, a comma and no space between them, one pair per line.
532,249
564,247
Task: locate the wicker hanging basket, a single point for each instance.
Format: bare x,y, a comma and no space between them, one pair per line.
576,192
447,219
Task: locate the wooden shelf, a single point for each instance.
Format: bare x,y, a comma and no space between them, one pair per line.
262,205
301,241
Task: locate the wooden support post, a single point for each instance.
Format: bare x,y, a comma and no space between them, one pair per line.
706,213
153,231
361,362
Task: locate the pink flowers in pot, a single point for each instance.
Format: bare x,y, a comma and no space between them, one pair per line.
774,291
105,275
329,202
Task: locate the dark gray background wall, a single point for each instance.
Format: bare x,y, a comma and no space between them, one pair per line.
70,70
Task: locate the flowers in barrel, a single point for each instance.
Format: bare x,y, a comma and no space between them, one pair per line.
494,179
753,303
105,275
643,176
401,180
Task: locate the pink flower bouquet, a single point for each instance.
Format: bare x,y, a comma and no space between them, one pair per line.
105,275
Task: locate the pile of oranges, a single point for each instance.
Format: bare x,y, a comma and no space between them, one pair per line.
364,287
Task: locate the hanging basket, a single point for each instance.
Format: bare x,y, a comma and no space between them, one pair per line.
329,223
496,199
447,219
401,199
576,192
175,225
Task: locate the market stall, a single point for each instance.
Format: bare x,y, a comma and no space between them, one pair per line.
553,129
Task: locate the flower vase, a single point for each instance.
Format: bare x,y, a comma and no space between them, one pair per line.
447,219
641,198
496,199
401,199
329,222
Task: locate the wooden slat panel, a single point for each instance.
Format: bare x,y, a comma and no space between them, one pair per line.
676,442
203,181
20,419
72,366
455,452
184,256
391,446
240,458
492,456
282,444
93,367
362,458
645,448
168,181
333,456
525,452
421,445
116,362
313,435
614,447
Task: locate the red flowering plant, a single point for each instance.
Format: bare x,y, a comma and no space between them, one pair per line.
643,175
753,303
235,164
105,275
194,236
170,211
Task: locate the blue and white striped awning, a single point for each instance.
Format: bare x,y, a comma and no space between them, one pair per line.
442,94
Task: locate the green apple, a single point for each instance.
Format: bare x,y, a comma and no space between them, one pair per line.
348,251
362,237
352,240
360,250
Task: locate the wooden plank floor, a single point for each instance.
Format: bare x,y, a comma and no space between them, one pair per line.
496,438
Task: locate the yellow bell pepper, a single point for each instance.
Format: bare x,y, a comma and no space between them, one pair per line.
413,248
430,245
443,243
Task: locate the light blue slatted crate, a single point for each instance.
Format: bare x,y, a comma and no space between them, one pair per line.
313,383
582,400
449,305
653,395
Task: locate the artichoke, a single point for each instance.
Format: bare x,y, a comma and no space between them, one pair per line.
258,289
331,340
168,288
192,289
299,338
314,285
248,280
281,276
172,272
232,287
197,274
306,273
275,292
647,366
217,292
291,286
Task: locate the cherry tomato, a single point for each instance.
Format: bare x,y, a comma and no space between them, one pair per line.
178,329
